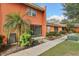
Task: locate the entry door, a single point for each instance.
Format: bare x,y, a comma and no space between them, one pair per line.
12,38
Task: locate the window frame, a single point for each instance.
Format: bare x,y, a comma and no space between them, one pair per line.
31,12
33,27
55,28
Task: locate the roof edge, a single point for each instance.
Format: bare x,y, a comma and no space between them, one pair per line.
35,6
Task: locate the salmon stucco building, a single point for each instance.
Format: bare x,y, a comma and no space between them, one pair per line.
32,12
56,27
76,28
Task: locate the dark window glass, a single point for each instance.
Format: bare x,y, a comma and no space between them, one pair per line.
36,30
31,12
55,29
12,38
63,28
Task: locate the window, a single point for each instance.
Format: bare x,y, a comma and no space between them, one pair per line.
31,12
28,11
48,29
55,29
37,30
63,28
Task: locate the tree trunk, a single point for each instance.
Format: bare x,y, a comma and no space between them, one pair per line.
19,33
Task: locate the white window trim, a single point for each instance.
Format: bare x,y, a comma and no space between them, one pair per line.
31,11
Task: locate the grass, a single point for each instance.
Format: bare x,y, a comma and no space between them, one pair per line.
66,48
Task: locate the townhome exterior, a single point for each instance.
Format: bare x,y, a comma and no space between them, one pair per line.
56,27
30,12
76,28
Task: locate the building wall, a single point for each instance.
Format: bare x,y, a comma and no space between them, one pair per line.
48,28
44,29
52,28
59,29
0,19
39,19
76,29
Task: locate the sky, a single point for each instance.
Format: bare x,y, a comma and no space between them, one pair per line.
54,10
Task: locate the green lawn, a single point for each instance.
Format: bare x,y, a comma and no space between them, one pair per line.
65,48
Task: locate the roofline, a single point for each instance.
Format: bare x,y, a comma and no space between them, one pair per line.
35,6
62,25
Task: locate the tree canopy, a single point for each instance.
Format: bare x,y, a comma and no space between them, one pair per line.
71,10
15,21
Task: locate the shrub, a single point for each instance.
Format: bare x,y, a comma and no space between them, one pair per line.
30,31
35,42
24,39
49,34
53,34
58,34
73,37
62,32
1,38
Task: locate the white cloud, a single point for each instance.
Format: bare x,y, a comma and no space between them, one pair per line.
59,18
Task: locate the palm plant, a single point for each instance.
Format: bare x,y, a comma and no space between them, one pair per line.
14,21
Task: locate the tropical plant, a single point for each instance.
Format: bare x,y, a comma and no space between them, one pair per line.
14,21
24,39
1,38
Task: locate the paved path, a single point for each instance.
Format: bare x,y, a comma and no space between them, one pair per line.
37,50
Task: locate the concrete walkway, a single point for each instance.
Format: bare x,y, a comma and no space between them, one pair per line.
37,50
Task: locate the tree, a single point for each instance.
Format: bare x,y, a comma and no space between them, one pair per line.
70,23
14,21
71,10
53,21
64,21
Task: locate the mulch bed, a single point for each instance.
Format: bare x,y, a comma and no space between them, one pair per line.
6,50
54,37
9,49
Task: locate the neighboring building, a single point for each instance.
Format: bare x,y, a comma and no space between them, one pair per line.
32,12
56,27
76,28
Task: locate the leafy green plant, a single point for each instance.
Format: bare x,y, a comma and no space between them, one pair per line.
49,34
53,34
58,34
15,21
1,40
24,39
35,42
62,32
30,31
